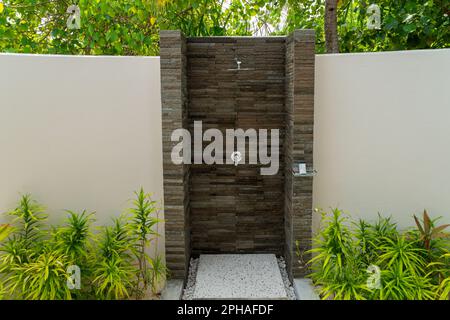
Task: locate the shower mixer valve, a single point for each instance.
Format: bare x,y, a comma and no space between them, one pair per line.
236,157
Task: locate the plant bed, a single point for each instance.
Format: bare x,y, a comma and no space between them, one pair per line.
362,260
71,261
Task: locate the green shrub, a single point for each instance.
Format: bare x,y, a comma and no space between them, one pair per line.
443,274
43,278
143,219
410,264
113,263
113,272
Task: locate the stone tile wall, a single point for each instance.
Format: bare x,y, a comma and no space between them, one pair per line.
224,208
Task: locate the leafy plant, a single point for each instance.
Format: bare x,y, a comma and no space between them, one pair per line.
131,27
404,254
45,278
114,273
443,270
158,271
404,274
114,263
142,222
5,230
112,279
25,242
331,264
333,246
28,217
344,253
72,239
429,233
400,284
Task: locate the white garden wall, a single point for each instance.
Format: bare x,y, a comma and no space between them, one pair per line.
84,132
79,132
382,133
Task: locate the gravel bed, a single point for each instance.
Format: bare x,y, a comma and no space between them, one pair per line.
188,292
287,283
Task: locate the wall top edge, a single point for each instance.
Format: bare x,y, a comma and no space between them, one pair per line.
68,56
393,52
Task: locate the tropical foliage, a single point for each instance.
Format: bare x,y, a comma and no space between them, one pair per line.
405,24
131,27
113,263
360,260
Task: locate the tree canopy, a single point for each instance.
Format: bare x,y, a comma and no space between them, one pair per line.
131,27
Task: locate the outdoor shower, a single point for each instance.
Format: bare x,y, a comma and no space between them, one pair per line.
238,63
247,83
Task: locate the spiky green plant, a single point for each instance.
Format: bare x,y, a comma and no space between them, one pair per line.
402,253
28,224
442,267
12,252
114,272
404,270
158,271
25,241
113,279
143,219
34,260
334,270
332,246
44,278
344,253
400,284
5,230
72,239
432,237
2,290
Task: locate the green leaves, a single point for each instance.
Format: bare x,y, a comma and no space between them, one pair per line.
72,239
114,262
112,279
106,26
113,273
28,221
343,253
5,230
42,279
408,28
131,27
143,219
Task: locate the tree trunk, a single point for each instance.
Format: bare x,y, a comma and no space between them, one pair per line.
331,36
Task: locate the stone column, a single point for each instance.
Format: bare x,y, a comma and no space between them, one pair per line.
176,177
300,56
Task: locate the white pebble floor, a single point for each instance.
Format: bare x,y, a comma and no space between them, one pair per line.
238,276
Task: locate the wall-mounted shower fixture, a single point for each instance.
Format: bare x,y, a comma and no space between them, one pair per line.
236,157
238,64
299,170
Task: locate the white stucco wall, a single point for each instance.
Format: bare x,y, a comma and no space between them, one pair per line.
79,132
382,133
85,132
